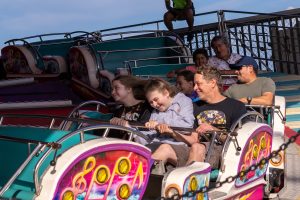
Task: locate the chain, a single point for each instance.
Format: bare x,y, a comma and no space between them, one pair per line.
230,179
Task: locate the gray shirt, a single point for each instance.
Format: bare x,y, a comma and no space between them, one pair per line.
255,89
179,114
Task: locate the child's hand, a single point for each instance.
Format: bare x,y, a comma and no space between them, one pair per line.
119,122
164,129
151,124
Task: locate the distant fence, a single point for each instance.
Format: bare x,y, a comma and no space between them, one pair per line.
273,39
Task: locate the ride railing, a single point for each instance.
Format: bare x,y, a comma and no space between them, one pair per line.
143,61
132,34
53,38
268,111
135,63
271,38
173,48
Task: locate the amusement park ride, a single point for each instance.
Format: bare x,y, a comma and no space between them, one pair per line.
66,157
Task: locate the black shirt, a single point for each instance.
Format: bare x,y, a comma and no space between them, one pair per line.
224,113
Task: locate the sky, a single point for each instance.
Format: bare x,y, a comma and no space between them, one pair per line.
21,18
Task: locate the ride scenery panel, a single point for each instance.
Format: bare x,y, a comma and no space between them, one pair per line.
194,183
257,148
253,193
115,174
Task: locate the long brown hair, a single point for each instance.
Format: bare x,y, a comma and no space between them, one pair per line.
159,85
133,82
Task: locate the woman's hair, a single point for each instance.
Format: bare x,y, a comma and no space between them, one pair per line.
211,73
187,74
200,51
159,85
135,83
223,39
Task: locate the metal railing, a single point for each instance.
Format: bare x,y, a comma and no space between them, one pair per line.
273,39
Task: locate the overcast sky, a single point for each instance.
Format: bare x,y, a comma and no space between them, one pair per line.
21,18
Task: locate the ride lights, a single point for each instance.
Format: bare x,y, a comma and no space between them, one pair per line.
277,160
124,166
263,143
124,191
193,184
255,151
68,195
102,174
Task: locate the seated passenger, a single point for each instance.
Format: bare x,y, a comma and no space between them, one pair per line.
251,89
129,91
223,57
185,84
213,109
200,58
170,109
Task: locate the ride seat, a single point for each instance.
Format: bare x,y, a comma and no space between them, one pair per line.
54,64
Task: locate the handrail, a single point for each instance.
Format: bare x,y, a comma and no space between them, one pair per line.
156,32
277,14
127,62
27,141
85,33
199,14
260,13
98,104
51,118
144,49
39,36
149,23
273,107
239,121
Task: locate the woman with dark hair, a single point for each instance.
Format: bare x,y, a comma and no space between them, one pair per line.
200,58
129,91
223,58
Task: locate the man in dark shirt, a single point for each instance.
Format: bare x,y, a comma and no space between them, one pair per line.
213,110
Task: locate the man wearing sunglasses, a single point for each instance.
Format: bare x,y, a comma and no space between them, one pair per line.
251,89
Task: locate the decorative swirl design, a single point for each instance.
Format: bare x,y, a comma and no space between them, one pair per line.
91,176
258,147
